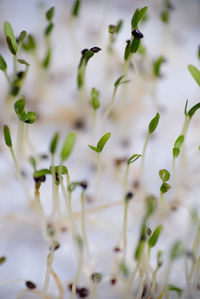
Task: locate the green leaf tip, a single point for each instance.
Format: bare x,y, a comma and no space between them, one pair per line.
7,137
3,64
10,38
133,158
154,237
153,123
50,14
54,143
164,175
119,81
95,99
177,146
76,8
195,73
100,145
68,146
138,16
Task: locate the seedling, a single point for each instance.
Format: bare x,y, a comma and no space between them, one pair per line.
165,187
152,126
117,83
25,118
8,141
95,104
98,149
133,45
47,35
76,8
86,55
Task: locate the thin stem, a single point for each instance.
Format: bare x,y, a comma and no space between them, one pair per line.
7,77
58,283
83,223
55,201
29,143
108,110
125,230
15,64
98,178
163,203
93,291
20,139
41,213
18,172
126,178
195,248
144,151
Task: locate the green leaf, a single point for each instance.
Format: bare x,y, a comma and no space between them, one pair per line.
195,73
68,146
138,16
157,65
192,111
95,99
48,29
133,158
165,188
31,117
102,141
153,123
177,250
94,148
47,59
164,175
154,237
50,13
165,16
134,46
179,141
139,250
127,51
33,163
54,143
118,26
119,81
22,61
22,37
185,110
64,169
30,45
7,137
41,172
10,38
96,277
176,152
19,106
3,64
2,260
172,287
76,8
73,186
111,29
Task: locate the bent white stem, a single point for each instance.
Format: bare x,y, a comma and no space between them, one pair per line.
83,222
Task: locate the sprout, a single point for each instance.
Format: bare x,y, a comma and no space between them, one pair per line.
195,73
22,37
157,65
76,8
86,56
131,160
137,17
154,237
165,187
10,38
50,14
30,44
101,143
68,146
113,31
54,143
2,260
7,136
165,14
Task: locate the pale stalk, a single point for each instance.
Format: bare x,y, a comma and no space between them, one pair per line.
144,152
98,178
108,110
80,265
83,222
48,271
124,231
